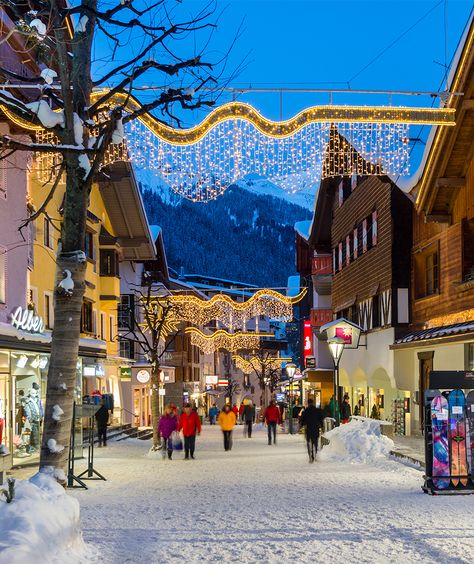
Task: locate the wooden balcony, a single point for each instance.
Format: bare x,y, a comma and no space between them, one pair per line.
320,317
321,265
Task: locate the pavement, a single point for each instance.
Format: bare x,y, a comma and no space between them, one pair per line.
411,448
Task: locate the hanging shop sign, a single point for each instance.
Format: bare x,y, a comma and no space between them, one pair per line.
212,380
307,340
310,361
26,320
143,376
342,328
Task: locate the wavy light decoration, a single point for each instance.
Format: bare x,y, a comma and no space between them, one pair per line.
234,314
224,340
254,363
235,140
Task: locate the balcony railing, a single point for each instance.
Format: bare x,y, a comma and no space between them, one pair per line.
321,264
320,317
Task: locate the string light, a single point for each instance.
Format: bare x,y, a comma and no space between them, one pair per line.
235,140
256,363
450,319
221,339
158,317
221,307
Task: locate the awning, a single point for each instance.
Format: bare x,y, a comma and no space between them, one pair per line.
456,331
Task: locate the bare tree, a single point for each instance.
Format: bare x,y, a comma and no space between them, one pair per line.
152,327
84,127
232,388
267,370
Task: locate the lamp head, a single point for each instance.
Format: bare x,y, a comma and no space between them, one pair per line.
336,348
290,370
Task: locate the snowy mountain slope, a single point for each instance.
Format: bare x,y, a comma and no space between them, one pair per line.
243,235
262,186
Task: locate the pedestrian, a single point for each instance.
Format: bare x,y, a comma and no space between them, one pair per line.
167,424
213,413
345,410
190,424
248,417
102,418
227,420
272,417
235,411
312,421
241,410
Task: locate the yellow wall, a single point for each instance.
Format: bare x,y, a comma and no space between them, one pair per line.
41,278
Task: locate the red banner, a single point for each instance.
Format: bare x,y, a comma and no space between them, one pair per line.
307,341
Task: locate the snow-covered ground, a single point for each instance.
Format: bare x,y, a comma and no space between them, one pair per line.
260,503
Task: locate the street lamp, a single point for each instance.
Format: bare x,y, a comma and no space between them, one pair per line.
290,370
336,348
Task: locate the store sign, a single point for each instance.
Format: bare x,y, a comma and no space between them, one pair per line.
125,372
143,376
307,340
310,361
343,329
212,380
26,320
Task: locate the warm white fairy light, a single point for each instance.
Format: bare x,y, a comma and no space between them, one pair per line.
221,339
255,363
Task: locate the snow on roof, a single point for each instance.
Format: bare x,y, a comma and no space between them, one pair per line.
303,228
235,282
293,284
408,183
155,231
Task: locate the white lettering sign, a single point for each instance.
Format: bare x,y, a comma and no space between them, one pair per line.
26,320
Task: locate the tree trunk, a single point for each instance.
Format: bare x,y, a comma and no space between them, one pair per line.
155,404
62,368
67,325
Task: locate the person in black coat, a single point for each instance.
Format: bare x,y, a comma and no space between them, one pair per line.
248,417
102,418
312,421
345,410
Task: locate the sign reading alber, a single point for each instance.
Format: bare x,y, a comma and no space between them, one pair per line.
26,320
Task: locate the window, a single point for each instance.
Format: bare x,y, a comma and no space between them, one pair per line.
31,244
339,262
126,311
340,194
102,326
348,249
364,236
94,322
127,348
335,267
109,262
376,311
86,317
48,311
355,241
374,228
89,245
111,328
431,274
3,275
48,233
426,266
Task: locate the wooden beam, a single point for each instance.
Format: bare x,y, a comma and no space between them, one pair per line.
438,218
468,105
450,182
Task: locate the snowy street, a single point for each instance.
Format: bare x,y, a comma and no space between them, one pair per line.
261,503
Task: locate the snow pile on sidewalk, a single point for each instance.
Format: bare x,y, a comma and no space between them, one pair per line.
42,523
360,440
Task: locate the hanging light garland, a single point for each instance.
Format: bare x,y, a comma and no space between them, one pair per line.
254,363
234,314
235,140
221,339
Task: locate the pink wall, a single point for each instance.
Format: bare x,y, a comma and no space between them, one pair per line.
13,211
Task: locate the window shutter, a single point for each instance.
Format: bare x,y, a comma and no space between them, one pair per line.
339,262
356,243
334,262
364,236
348,250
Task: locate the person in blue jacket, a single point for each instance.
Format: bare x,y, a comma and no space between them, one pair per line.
213,412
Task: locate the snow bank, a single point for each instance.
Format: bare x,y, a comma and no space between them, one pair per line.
41,523
360,440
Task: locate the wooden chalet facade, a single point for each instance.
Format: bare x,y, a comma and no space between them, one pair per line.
442,257
363,226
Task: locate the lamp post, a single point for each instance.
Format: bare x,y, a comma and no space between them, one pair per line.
290,370
336,348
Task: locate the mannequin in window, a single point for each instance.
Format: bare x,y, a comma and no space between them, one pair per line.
33,414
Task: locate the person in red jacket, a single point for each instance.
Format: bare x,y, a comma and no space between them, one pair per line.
235,409
190,424
272,417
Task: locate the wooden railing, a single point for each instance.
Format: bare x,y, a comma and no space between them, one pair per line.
321,264
319,317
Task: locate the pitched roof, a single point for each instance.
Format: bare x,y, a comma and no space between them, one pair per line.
437,332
